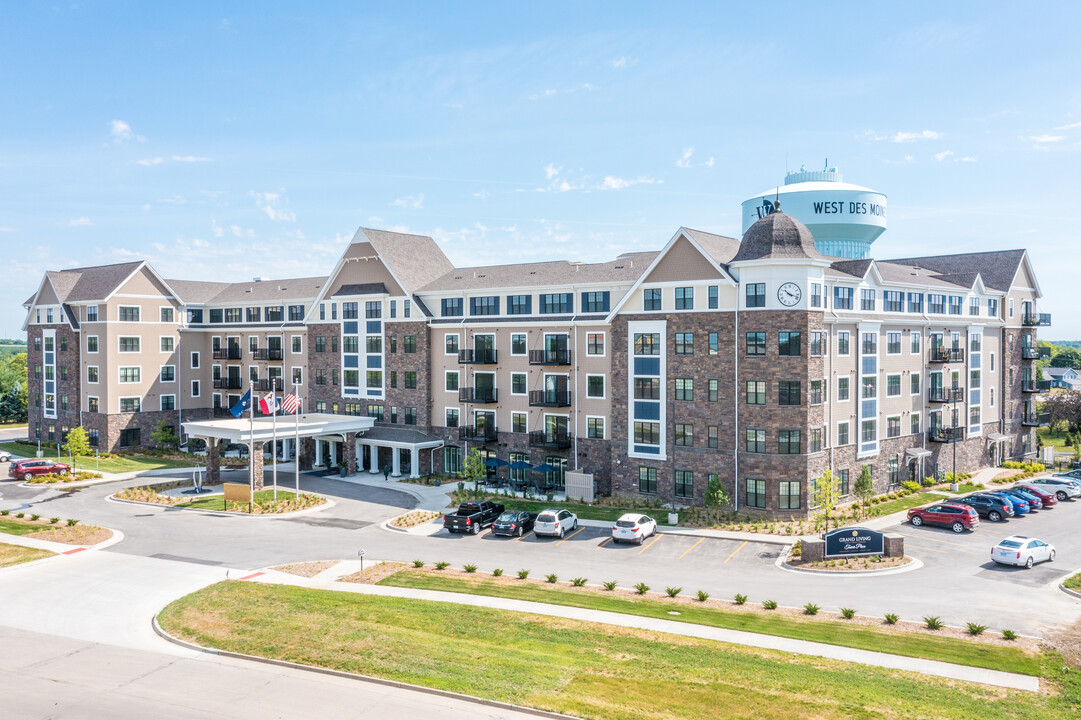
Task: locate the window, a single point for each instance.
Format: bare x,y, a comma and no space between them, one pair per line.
410,379
373,344
843,342
756,343
451,381
376,412
450,343
651,299
956,304
870,343
816,295
130,374
297,344
410,415
915,302
842,433
252,315
557,303
914,343
92,404
92,313
595,427
130,437
755,440
756,392
893,301
974,306
870,387
373,309
936,304
756,493
519,304
518,422
816,343
129,344
788,392
714,344
684,484
298,376
685,298
168,373
914,383
647,388
518,383
893,343
788,442
168,402
596,302
394,308
915,424
322,311
127,314
320,343
756,295
788,344
713,298
129,404
595,386
351,344
869,431
712,436
647,480
893,385
992,307
486,305
232,315
647,344
647,433
452,307
410,345
842,298
334,343
713,393
842,388
594,344
374,378
975,341
407,308
684,434
893,427
867,299
91,343
215,315
788,497
195,361
452,460
816,392
685,389
684,344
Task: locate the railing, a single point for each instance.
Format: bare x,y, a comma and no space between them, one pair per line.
549,357
1035,386
232,353
268,384
268,354
1036,419
947,354
1030,352
945,394
477,395
477,357
228,383
543,438
550,398
946,434
220,412
1036,319
471,433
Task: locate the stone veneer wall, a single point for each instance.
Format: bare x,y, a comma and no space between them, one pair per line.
328,362
401,362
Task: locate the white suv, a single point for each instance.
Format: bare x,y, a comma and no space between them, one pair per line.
633,527
1021,550
555,522
1061,486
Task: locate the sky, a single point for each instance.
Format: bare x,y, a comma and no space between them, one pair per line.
224,141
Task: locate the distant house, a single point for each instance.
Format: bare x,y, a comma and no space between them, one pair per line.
1063,378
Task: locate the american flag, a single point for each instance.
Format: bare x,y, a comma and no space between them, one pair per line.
290,403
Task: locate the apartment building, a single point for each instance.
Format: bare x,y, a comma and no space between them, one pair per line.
761,362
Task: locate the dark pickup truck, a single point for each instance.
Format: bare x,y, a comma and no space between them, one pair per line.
471,517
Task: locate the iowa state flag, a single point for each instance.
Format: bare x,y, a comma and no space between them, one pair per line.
268,404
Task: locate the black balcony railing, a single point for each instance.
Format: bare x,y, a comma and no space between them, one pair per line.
220,412
477,357
477,395
268,354
1036,319
1032,419
268,384
546,439
946,354
1035,386
232,353
946,434
549,357
1030,352
472,433
550,398
228,383
945,394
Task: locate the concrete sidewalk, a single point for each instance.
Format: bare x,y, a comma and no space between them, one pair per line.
736,637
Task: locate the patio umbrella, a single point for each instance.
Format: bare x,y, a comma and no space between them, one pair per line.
545,468
520,465
495,462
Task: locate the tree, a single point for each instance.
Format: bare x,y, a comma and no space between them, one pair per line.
163,436
865,485
825,495
78,444
1067,358
1064,407
13,387
474,469
716,495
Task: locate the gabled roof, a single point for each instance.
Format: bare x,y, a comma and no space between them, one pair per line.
90,283
720,247
855,268
997,269
414,260
361,289
625,268
197,292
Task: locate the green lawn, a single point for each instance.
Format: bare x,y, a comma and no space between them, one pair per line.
1050,437
16,554
133,462
13,526
968,487
13,425
216,502
1073,582
582,510
823,631
906,502
582,669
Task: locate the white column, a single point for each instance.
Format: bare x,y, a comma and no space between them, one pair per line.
396,466
318,452
414,463
373,458
333,453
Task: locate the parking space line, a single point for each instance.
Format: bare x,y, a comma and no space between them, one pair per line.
524,536
924,547
608,540
571,535
647,547
937,540
692,547
734,552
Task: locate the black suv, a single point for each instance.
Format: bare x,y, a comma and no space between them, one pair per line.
988,506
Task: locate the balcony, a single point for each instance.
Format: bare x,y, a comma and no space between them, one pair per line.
549,357
228,383
472,433
946,434
477,357
1035,386
545,439
477,395
268,354
220,412
947,355
945,394
1036,320
268,384
1030,352
232,353
550,398
1032,419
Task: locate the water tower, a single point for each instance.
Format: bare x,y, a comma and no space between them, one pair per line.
843,218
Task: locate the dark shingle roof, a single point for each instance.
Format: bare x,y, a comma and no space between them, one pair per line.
362,289
90,283
997,269
415,260
213,293
625,268
720,247
777,236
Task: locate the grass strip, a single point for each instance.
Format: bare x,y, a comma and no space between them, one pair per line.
134,462
217,502
1073,582
582,510
582,669
12,526
906,502
830,632
16,554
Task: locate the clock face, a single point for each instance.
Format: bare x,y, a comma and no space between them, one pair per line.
789,294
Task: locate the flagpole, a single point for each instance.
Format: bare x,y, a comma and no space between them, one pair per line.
274,434
296,448
251,446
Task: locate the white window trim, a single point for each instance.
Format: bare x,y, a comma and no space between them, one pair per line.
292,374
458,342
121,338
163,369
256,339
293,338
253,367
920,390
521,394
93,397
900,342
120,403
166,337
97,371
171,309
899,386
455,408
919,342
161,402
604,380
919,419
97,314
602,418
604,339
121,307
197,364
848,427
97,340
899,426
446,374
120,369
195,384
848,334
519,412
521,354
837,390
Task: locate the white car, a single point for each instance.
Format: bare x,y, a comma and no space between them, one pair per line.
1061,486
555,523
5,456
633,527
1021,550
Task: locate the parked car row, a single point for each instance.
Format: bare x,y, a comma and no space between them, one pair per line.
472,517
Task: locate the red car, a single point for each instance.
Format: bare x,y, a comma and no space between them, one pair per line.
21,469
956,517
1046,498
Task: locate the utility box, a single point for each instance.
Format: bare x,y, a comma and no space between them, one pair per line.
1047,455
580,486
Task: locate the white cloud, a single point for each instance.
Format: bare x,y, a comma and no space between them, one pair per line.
943,155
710,163
912,136
1071,126
412,202
120,131
615,183
685,159
375,220
549,93
80,222
482,195
148,162
241,232
146,207
174,199
619,63
6,229
550,170
190,159
1045,138
546,93
215,228
968,158
268,203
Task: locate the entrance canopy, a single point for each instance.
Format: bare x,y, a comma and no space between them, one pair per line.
243,431
997,437
917,452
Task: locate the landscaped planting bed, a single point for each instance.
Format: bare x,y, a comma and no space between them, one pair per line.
17,555
306,569
414,518
263,501
54,529
80,476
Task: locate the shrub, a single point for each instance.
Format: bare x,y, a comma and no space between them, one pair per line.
418,563
471,568
1009,635
497,572
797,549
810,609
702,596
975,629
769,604
932,622
442,565
740,598
5,512
927,481
20,515
72,522
910,485
848,613
609,585
673,591
891,619
35,517
642,588
579,581
523,574
54,520
551,577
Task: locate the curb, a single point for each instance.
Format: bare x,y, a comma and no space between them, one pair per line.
355,676
1068,591
117,537
222,513
916,564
